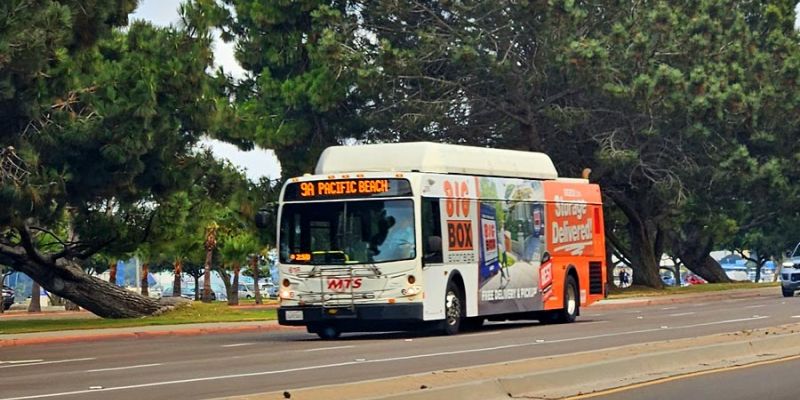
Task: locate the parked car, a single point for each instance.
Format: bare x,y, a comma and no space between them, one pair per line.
694,280
8,297
246,291
790,273
186,292
268,289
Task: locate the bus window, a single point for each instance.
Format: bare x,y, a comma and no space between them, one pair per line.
431,231
349,232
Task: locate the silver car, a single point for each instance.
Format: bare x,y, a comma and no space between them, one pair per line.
790,273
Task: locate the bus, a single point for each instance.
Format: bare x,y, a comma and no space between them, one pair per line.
407,236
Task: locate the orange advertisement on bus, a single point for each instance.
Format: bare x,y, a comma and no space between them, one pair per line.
575,238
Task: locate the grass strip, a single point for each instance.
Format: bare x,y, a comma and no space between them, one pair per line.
192,313
643,291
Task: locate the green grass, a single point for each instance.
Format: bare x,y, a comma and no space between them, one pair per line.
195,312
642,291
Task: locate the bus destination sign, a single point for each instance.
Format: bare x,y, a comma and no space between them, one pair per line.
347,188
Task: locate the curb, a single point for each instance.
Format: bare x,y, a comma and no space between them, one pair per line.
142,334
553,377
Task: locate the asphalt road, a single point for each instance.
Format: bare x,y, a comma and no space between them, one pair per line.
214,366
773,380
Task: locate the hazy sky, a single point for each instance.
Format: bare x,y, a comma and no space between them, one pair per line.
256,163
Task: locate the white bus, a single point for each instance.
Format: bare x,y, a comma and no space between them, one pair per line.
433,236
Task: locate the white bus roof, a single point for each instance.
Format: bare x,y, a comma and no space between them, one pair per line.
436,158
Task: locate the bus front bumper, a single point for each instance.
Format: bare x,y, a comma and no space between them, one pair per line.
358,318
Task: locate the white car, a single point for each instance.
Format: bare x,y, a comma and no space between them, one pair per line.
268,289
246,291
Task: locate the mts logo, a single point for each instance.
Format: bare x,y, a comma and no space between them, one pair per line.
339,284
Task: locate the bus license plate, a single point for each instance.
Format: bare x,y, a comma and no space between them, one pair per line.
294,315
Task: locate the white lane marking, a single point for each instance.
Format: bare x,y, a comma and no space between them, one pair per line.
681,314
757,306
47,362
329,348
669,308
348,363
121,368
729,321
795,316
20,361
237,344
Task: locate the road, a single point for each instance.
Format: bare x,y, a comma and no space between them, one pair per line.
772,380
214,366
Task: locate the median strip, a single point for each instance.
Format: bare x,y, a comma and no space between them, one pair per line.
570,374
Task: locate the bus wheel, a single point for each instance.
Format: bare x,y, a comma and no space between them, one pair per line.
571,302
328,333
453,310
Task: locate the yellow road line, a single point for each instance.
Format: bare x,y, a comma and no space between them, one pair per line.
678,377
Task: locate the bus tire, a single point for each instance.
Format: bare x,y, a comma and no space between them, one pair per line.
472,323
453,310
571,302
787,293
328,332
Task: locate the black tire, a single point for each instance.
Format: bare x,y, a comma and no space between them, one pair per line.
328,332
472,323
572,303
453,310
787,293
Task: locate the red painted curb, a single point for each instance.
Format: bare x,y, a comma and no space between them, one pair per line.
142,334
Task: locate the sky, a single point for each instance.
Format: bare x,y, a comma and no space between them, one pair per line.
255,163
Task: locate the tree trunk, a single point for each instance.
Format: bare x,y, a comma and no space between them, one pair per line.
207,277
210,245
759,265
66,279
71,306
645,260
233,297
254,266
112,273
695,252
226,281
36,298
196,289
176,282
707,268
677,272
145,285
646,243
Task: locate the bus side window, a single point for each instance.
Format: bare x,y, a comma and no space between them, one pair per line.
431,231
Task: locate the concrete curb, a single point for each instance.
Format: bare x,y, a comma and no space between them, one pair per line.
552,377
609,374
142,334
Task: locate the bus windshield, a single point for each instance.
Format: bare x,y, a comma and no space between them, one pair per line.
347,232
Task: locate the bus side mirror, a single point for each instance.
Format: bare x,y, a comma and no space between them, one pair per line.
265,215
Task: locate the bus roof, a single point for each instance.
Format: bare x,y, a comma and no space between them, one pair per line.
436,158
